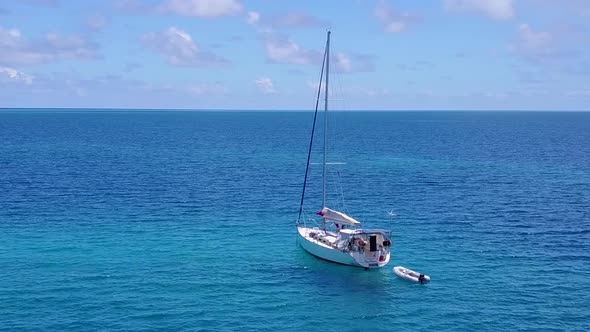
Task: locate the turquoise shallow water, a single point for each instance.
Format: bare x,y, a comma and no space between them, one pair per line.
114,220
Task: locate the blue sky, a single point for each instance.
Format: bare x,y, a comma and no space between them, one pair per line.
263,54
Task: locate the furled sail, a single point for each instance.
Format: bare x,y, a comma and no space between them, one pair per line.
338,217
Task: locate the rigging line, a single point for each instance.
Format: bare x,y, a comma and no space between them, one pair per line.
317,102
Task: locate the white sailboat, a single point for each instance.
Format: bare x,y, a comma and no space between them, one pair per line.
340,238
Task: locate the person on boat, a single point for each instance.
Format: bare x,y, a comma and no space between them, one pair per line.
421,278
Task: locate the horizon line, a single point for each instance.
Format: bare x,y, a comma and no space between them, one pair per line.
282,110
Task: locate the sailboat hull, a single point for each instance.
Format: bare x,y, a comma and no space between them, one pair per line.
321,250
326,252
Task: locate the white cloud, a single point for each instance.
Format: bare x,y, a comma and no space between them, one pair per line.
179,49
131,6
584,92
536,41
353,63
75,88
534,45
496,9
65,89
551,55
202,8
287,51
367,91
53,47
354,90
96,22
391,21
50,3
253,18
265,85
315,85
293,19
131,66
343,62
9,37
284,50
13,75
569,10
177,89
171,89
203,89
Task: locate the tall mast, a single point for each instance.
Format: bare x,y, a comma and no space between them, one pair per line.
326,121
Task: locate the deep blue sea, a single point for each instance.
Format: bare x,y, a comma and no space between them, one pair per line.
178,220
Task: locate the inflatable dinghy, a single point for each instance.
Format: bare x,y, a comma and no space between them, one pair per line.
410,275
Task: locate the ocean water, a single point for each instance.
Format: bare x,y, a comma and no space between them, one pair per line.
172,220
